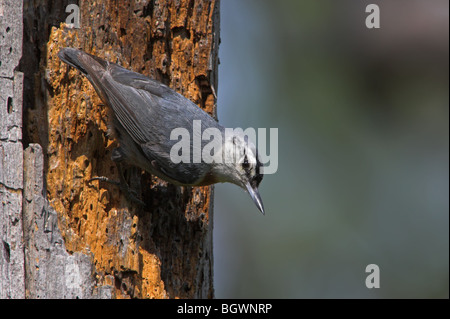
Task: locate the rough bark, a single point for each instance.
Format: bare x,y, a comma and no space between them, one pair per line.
84,239
12,274
51,271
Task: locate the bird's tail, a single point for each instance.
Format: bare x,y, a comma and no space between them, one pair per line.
94,68
72,57
82,61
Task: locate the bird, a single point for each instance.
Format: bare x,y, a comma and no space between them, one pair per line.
144,112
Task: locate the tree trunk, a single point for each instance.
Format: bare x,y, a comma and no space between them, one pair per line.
85,239
12,273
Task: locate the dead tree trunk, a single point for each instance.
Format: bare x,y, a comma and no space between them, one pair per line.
80,239
12,273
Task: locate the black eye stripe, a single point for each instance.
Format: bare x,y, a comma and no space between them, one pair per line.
258,176
245,164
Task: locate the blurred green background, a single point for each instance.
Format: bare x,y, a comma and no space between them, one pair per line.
363,176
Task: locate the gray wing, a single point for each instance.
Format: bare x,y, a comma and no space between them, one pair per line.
149,111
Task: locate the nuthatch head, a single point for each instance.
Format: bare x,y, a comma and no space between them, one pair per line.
144,114
244,168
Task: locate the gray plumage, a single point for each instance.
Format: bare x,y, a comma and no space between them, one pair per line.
144,114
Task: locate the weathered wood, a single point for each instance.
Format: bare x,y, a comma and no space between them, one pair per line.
51,272
161,251
12,283
12,275
11,109
11,29
11,255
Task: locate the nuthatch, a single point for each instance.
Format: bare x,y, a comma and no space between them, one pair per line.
144,113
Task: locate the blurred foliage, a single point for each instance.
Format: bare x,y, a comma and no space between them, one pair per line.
363,172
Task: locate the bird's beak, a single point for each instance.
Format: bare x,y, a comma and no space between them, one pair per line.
254,193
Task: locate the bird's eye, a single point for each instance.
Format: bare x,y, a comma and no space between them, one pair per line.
245,164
